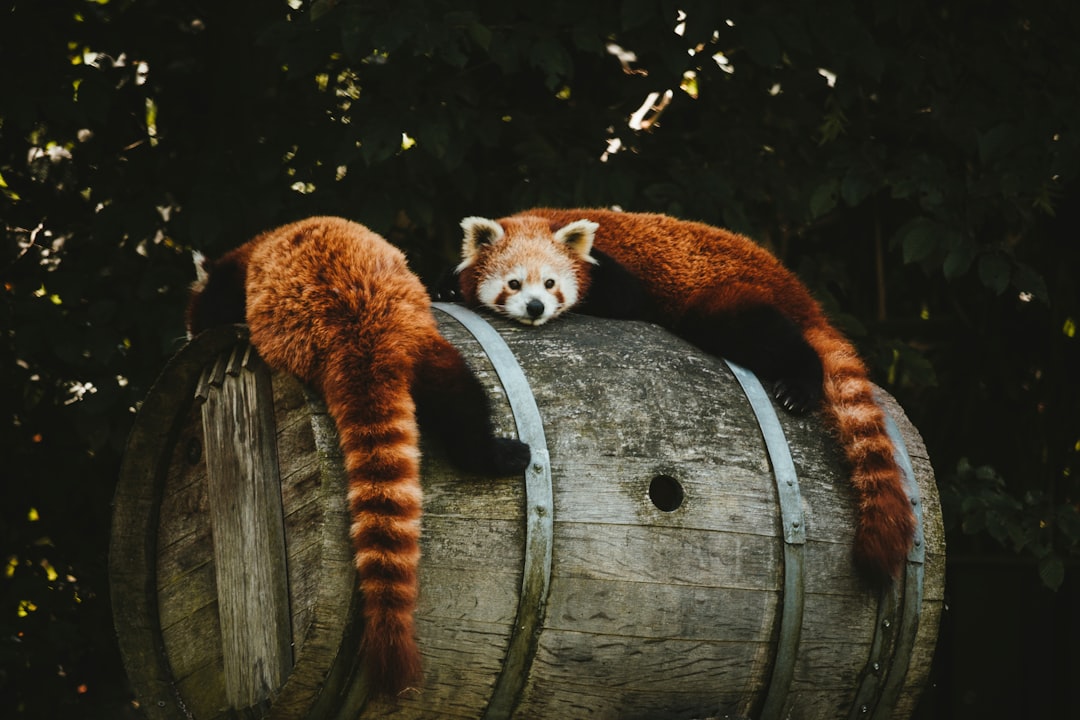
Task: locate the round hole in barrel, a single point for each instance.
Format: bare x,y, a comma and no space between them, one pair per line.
666,493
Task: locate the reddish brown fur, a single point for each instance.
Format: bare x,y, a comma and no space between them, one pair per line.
690,267
334,304
533,246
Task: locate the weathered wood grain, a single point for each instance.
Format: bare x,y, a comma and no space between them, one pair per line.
651,613
132,549
162,558
248,531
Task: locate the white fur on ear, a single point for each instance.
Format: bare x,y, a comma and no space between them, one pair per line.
200,270
478,232
481,231
579,236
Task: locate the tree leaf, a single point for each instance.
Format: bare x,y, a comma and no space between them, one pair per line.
1052,571
480,34
918,239
379,141
552,58
958,260
824,198
321,7
857,185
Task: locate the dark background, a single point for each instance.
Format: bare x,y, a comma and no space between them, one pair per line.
925,186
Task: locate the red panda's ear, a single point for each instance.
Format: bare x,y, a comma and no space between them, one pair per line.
202,270
578,236
478,233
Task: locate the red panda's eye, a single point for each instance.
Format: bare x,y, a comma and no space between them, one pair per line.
514,284
549,283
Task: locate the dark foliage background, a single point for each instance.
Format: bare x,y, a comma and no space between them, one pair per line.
917,162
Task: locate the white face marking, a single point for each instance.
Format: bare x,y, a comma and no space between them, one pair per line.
531,298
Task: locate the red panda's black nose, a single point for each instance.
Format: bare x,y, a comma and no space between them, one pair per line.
535,308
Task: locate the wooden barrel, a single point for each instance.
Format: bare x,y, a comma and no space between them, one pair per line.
676,549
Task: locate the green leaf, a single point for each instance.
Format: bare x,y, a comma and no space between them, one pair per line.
379,141
1018,533
1067,521
551,57
321,7
919,238
1052,571
824,198
958,260
994,272
480,34
857,185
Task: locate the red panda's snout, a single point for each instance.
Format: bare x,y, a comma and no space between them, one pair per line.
535,308
524,270
529,300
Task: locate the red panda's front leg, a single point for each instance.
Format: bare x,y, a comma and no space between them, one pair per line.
764,340
451,402
218,296
615,292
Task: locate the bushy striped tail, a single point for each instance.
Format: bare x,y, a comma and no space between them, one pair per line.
886,523
376,421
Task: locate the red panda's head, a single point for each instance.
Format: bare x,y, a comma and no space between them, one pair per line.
523,268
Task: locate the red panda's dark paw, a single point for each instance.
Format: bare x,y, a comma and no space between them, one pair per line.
503,456
446,288
510,456
798,396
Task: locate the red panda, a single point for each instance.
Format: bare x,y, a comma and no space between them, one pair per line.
334,304
722,292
